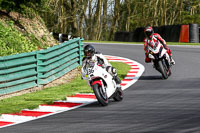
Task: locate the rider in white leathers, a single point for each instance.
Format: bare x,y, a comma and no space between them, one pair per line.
90,54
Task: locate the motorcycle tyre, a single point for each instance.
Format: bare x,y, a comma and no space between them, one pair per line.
99,95
119,95
162,70
170,72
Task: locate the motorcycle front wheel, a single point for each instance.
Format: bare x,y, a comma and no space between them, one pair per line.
100,94
163,70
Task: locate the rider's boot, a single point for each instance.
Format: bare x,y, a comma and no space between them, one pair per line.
117,79
172,60
118,82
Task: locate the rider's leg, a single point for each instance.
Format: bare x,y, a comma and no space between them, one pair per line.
172,60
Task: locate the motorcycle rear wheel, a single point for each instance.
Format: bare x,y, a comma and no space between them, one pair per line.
100,95
119,95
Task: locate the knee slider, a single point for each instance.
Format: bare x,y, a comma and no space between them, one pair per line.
114,71
111,70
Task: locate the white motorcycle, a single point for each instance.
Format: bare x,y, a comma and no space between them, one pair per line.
160,58
102,83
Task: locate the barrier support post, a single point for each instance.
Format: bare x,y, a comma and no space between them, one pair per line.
80,50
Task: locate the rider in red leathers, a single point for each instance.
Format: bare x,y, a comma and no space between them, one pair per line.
154,37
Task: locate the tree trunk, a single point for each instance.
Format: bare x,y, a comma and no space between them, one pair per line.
165,11
129,14
161,13
180,12
155,13
104,26
100,23
96,21
89,20
73,22
115,19
83,7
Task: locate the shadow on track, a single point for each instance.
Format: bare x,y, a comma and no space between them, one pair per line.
155,77
97,104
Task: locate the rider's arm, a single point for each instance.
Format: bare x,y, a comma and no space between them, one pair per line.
84,61
161,40
163,43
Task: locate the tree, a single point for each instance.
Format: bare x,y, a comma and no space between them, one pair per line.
100,19
104,22
115,19
96,23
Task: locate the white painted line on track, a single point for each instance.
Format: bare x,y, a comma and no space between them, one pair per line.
80,100
45,108
15,118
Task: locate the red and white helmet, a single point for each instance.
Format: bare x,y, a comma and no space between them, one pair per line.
148,31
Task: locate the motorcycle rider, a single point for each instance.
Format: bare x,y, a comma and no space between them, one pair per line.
152,38
91,54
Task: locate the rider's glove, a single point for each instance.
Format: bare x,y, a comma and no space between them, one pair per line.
151,56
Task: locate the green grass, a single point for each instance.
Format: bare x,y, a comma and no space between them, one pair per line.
48,95
168,43
178,43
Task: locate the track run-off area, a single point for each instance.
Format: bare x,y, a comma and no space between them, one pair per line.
150,105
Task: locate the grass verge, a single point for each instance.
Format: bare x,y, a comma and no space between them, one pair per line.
168,43
48,95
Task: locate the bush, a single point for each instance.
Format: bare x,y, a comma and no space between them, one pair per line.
14,42
18,5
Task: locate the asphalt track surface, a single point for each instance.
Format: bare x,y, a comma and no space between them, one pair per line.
151,105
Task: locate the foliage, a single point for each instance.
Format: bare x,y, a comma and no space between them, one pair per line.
14,42
19,5
81,17
28,8
159,12
100,19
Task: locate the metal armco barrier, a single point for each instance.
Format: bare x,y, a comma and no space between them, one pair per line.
27,70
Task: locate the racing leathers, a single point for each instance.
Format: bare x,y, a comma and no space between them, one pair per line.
103,62
156,38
